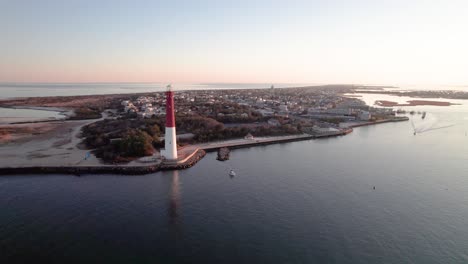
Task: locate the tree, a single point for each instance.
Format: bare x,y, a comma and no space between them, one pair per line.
299,127
154,131
136,143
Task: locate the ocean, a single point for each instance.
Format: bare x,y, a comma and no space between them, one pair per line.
12,90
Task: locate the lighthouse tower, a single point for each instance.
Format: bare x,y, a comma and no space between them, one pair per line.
170,151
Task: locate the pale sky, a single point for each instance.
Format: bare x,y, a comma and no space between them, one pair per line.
243,41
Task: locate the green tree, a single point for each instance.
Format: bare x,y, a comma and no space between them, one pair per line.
136,143
154,131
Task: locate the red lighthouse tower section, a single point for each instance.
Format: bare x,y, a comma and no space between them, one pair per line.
170,116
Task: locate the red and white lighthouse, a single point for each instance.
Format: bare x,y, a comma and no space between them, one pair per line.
170,151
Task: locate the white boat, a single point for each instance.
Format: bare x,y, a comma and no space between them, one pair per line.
232,173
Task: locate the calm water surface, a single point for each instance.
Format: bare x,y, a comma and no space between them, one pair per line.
12,90
9,115
302,202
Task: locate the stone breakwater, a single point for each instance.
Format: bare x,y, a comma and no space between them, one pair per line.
186,164
104,169
80,170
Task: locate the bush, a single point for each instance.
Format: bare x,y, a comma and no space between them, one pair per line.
86,113
136,143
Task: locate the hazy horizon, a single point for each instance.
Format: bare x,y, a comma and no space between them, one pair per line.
317,42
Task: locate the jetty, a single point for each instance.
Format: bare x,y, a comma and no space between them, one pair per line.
262,141
123,169
370,123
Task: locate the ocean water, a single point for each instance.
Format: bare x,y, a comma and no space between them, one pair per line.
10,115
302,202
12,90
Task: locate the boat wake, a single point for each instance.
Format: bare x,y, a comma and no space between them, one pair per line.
429,124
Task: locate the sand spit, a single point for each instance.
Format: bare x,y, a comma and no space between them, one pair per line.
385,103
44,144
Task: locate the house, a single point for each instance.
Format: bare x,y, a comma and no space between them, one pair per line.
283,108
130,108
364,116
147,105
265,112
273,122
320,129
249,136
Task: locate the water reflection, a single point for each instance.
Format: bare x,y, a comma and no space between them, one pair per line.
174,198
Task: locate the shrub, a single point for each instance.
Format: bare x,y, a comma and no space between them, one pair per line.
135,143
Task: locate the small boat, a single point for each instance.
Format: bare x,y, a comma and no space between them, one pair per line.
232,173
423,115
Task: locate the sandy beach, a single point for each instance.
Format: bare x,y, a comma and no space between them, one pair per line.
43,144
385,103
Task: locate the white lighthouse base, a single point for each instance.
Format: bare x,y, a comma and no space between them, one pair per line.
170,151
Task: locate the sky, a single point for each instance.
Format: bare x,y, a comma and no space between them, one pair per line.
297,41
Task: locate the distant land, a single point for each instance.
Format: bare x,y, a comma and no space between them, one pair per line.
385,103
124,131
447,94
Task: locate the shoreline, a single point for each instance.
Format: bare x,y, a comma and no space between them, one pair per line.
385,103
104,169
423,94
62,114
55,146
199,152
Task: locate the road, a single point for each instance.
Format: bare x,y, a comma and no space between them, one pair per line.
251,142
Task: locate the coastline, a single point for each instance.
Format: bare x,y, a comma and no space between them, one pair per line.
55,146
198,153
60,114
385,103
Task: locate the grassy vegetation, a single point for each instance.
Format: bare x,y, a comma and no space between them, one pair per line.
86,113
135,143
124,139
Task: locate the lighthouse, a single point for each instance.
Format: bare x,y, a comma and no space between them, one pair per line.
170,151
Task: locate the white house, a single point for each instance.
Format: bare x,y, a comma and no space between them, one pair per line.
249,136
273,122
364,115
